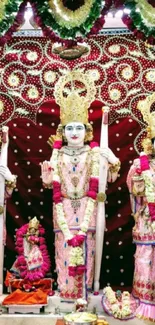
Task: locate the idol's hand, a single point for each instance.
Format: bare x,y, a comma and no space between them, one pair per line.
109,155
139,187
5,172
46,172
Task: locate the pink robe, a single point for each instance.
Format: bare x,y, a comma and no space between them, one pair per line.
144,238
74,178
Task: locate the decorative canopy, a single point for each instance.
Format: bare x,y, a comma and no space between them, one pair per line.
71,21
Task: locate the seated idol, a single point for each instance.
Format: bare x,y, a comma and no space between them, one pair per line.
33,262
141,184
73,173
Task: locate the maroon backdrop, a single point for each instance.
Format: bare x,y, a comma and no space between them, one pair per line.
124,73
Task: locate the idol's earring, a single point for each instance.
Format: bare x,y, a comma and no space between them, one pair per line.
59,132
89,133
64,137
147,146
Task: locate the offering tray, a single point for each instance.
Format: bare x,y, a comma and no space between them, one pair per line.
80,318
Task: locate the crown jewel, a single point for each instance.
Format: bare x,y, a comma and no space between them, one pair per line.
149,117
34,223
74,107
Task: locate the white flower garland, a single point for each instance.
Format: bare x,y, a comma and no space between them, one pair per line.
69,18
149,190
118,312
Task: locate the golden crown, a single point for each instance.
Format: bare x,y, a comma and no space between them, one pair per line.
74,107
34,223
149,117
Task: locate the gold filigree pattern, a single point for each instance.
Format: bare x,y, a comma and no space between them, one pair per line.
111,61
1,107
74,107
33,93
13,80
69,18
150,76
32,56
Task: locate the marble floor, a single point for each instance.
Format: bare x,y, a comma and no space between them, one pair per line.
49,319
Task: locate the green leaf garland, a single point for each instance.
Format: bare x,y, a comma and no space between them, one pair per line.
141,24
45,12
8,17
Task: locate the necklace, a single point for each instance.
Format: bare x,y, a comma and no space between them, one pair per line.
74,160
74,151
74,174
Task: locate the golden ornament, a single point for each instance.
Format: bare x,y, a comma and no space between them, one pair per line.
101,197
1,209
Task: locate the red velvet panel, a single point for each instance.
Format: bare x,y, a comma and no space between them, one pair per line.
32,121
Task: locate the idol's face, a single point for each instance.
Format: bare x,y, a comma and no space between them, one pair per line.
32,231
75,134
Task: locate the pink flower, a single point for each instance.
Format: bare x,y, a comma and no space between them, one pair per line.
151,206
21,260
144,162
57,198
72,271
57,144
81,269
96,293
41,231
92,194
93,144
138,171
27,287
93,184
51,293
56,187
76,270
77,240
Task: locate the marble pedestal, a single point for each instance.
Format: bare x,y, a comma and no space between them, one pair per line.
24,309
56,304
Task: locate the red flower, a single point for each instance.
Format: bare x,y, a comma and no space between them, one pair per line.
96,293
152,210
76,270
51,293
56,187
72,271
93,144
81,269
144,163
92,194
57,144
57,198
77,240
138,171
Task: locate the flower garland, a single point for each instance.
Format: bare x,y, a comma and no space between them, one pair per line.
149,188
118,307
140,20
8,22
21,264
77,264
69,18
86,19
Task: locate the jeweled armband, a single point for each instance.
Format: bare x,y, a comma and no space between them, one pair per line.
115,167
101,197
49,186
11,185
